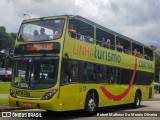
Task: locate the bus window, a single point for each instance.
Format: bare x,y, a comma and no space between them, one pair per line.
41,30
101,75
126,76
69,72
33,73
81,31
90,72
105,39
143,78
113,75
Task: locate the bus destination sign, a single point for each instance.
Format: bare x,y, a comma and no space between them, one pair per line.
37,48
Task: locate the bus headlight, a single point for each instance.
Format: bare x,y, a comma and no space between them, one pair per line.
12,93
49,95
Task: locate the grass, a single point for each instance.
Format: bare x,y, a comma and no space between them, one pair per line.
4,87
3,101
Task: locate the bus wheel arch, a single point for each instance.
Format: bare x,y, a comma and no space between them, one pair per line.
91,102
137,99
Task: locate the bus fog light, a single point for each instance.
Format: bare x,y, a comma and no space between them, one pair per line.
12,93
49,95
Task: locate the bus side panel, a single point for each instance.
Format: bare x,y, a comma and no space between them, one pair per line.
70,97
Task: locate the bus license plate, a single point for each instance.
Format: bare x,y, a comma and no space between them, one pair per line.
28,104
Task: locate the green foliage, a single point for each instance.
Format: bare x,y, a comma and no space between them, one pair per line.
7,40
13,39
4,87
4,102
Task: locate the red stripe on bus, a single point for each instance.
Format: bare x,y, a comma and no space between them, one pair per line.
122,95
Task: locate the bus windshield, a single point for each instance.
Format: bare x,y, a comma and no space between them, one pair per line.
41,30
35,73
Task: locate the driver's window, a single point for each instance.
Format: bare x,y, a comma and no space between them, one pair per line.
69,72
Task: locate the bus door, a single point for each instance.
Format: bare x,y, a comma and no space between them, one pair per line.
69,90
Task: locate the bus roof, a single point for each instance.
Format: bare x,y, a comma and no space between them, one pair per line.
104,28
93,23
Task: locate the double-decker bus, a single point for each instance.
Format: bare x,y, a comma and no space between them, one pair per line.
64,63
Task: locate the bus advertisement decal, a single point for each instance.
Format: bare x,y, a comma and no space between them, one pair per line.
94,52
122,95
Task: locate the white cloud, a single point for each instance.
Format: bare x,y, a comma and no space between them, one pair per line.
138,19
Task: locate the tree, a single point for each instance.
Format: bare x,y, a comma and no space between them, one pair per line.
13,39
7,40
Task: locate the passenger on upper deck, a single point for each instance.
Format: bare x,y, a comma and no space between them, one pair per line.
134,52
108,43
72,31
90,39
42,31
119,47
139,54
43,35
78,35
58,34
104,42
35,37
128,51
82,37
145,55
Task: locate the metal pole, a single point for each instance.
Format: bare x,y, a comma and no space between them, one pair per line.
27,15
29,18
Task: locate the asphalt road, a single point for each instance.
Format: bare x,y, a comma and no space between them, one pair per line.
148,108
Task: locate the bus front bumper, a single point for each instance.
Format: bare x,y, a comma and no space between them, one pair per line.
34,104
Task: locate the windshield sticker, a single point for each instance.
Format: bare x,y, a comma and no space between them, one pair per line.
17,79
24,85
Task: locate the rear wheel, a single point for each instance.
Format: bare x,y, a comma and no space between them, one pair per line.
91,104
137,100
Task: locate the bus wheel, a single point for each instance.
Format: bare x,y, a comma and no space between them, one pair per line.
91,104
137,100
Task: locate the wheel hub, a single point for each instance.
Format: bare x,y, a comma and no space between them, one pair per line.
91,105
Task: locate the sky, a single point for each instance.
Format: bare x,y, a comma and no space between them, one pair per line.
136,19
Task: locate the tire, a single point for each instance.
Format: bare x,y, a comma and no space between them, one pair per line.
91,104
137,100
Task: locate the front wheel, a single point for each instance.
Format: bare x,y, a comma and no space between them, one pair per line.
137,100
91,104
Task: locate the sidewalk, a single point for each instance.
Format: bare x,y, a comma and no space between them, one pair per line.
4,108
156,97
9,108
3,96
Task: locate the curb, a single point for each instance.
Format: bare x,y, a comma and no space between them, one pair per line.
154,99
4,108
